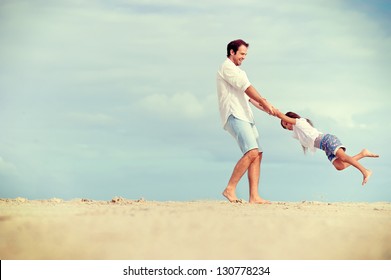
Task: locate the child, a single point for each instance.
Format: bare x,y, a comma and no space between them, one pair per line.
311,138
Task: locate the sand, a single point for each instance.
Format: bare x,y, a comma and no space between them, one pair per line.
201,230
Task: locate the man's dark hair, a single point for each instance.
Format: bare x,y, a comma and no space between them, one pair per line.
234,45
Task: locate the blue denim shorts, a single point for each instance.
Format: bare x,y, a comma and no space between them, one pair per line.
330,144
245,133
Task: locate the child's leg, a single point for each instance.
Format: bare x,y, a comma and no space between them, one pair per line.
348,160
341,165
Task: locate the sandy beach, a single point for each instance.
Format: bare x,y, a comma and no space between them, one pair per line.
202,230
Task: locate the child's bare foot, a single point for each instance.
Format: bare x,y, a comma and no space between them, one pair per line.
367,153
231,196
259,200
367,174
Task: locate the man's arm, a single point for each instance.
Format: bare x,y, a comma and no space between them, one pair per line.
256,98
257,105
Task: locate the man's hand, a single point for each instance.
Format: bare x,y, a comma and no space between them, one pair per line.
269,109
264,106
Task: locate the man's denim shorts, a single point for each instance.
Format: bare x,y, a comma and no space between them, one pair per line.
245,133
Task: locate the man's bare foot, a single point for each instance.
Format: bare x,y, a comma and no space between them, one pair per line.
367,174
259,200
367,153
231,196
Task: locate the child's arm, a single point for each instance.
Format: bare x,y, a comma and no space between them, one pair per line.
284,117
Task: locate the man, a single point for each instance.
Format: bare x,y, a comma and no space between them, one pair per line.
234,92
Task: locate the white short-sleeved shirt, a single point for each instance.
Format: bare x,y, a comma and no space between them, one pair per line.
231,84
305,133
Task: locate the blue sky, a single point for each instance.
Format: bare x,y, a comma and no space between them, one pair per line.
118,98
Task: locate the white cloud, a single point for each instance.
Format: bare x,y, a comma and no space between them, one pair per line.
179,106
91,119
7,168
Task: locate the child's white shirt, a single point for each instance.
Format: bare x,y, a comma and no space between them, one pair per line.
305,133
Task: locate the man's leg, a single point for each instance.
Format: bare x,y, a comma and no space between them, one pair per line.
254,172
240,168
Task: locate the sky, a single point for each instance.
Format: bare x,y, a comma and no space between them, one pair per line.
100,99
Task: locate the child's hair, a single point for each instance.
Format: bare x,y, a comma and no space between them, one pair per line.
296,116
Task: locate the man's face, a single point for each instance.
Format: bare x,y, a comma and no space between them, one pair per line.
239,56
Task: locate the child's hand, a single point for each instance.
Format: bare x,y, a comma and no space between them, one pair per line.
278,113
274,113
269,109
